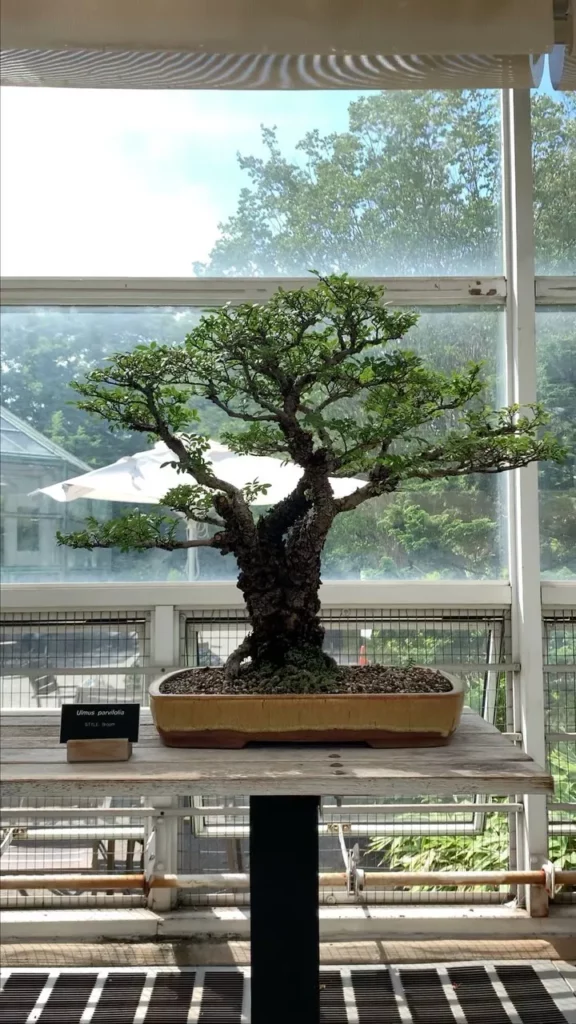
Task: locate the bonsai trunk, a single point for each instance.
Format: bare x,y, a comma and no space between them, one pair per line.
283,606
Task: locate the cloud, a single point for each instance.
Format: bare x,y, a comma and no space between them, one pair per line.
109,183
126,183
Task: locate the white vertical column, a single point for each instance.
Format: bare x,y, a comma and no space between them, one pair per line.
162,847
523,484
164,653
161,854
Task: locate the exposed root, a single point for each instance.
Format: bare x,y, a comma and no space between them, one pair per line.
300,670
234,661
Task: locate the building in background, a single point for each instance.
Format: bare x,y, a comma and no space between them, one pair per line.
29,522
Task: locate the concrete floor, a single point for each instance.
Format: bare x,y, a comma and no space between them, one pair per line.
186,954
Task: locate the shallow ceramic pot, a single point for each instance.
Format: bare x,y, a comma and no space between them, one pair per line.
233,720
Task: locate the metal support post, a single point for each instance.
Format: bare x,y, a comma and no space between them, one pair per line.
164,637
285,943
161,853
523,491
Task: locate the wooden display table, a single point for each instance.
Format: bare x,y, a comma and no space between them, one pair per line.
284,784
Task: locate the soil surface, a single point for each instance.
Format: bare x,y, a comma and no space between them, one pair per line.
347,679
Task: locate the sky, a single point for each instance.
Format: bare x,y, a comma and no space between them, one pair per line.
135,183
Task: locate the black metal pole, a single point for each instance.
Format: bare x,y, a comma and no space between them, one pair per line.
284,910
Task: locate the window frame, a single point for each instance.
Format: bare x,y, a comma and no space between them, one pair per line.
521,292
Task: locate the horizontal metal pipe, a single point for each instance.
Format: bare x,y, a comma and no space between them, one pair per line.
32,672
343,810
388,879
215,880
35,672
78,812
82,882
332,879
94,833
350,809
375,879
438,808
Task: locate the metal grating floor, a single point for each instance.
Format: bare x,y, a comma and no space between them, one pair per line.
537,992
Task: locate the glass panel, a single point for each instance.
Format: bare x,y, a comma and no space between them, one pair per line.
44,440
554,135
447,529
51,658
444,530
556,338
56,835
27,531
175,183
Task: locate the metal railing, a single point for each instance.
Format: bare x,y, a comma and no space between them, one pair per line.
194,836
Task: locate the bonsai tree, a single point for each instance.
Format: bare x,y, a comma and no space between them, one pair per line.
316,376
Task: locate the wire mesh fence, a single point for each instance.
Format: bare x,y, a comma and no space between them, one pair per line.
473,643
560,708
66,838
51,658
48,658
414,840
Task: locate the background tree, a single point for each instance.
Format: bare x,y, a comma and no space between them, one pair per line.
45,350
412,187
315,376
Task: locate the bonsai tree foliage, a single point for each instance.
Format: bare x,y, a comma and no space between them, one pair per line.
316,376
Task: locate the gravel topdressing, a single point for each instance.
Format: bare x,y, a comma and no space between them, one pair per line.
350,679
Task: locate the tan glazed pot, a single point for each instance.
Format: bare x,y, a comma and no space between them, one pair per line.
233,720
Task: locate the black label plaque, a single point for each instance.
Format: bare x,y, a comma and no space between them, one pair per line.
99,722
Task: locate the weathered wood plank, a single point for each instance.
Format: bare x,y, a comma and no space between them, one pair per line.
152,753
478,760
40,738
414,770
496,784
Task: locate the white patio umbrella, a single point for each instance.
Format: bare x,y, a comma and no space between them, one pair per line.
144,478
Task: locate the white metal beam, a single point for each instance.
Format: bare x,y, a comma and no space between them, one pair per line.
23,597
185,291
559,593
527,648
556,291
336,924
190,291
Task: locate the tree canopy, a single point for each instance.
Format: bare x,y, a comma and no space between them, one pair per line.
412,187
317,376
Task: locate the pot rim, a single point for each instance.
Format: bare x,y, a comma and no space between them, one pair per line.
154,691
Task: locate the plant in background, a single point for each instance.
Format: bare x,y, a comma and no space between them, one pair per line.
488,850
317,376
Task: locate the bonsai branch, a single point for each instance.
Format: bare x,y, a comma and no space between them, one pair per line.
138,531
240,414
78,540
